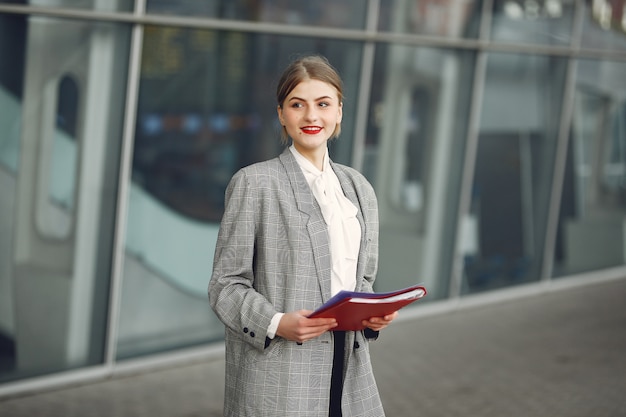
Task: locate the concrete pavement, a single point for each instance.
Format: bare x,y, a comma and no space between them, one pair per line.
560,353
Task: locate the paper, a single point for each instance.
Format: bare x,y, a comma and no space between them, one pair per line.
418,293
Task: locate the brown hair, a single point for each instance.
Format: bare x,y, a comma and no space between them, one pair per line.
312,67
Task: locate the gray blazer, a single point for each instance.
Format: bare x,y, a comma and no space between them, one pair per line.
272,256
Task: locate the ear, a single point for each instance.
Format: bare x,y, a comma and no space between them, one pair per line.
279,110
340,113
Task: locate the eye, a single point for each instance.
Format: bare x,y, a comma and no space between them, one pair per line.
296,105
324,104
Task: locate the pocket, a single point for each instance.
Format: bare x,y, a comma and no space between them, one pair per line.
252,355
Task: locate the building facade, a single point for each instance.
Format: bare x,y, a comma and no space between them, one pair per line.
493,131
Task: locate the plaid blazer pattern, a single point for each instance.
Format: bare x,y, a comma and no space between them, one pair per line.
273,255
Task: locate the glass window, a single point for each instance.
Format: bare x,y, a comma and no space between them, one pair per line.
207,107
604,25
414,150
348,14
591,230
545,22
104,6
12,49
512,179
62,144
447,18
61,113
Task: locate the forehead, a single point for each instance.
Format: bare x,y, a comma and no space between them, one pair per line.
312,89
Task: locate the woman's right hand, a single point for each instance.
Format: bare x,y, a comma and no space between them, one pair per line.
297,327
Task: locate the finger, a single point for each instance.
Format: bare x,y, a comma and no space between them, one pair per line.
371,324
392,316
376,323
322,322
315,326
377,320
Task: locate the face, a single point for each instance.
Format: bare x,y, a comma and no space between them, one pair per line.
310,113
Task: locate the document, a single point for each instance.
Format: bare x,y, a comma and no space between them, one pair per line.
351,308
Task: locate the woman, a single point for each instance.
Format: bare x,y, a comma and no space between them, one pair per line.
297,229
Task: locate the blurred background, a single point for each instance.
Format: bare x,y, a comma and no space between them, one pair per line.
493,131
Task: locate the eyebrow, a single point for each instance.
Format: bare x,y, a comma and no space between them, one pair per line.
317,99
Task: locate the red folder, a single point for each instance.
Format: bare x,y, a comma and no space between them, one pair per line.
351,308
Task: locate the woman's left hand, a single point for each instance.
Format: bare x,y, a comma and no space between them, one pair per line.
379,323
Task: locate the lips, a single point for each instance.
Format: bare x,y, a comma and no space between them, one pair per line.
311,130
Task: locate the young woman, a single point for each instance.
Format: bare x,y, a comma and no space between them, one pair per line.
296,230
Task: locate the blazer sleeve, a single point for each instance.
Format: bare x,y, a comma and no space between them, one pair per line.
231,289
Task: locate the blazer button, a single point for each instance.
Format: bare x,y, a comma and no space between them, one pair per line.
356,345
251,334
245,330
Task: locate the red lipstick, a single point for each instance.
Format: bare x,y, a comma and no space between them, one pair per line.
311,130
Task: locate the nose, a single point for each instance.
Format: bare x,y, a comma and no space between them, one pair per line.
311,113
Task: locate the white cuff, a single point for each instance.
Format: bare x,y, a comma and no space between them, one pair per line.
273,327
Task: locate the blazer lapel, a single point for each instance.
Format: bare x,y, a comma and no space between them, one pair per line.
350,192
316,226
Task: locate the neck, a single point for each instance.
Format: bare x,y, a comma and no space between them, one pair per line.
315,156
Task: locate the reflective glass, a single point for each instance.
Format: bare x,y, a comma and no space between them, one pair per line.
544,22
591,229
348,14
206,108
61,112
505,230
604,25
415,143
103,6
450,18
